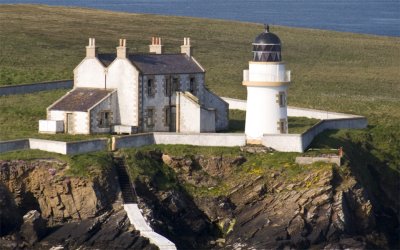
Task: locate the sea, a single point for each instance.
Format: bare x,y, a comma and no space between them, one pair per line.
378,17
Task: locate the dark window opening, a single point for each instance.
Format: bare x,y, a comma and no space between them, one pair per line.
192,85
150,87
105,119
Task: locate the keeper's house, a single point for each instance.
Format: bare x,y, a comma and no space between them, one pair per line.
130,93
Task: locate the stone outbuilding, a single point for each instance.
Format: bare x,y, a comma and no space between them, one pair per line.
131,93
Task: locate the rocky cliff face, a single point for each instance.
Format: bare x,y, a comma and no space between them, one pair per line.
62,211
323,208
197,201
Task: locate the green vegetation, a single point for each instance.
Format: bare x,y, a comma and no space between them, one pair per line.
81,165
20,115
336,71
144,164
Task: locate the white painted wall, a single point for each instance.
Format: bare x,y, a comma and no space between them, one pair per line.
124,77
203,139
81,123
138,221
188,114
266,72
263,111
49,146
284,142
55,115
90,73
51,126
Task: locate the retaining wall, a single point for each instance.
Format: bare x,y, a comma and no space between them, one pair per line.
48,145
203,139
80,147
35,87
305,160
6,146
133,141
284,142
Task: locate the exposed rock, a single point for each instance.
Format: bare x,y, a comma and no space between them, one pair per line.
34,227
44,186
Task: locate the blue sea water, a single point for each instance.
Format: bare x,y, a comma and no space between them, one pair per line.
379,17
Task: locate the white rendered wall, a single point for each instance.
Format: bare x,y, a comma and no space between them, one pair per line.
56,115
51,126
266,72
89,74
122,75
263,111
188,114
81,123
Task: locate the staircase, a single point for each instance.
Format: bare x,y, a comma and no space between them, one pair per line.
128,194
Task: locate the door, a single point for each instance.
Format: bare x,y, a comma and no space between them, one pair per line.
172,124
70,123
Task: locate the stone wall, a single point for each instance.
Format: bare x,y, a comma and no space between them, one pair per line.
35,87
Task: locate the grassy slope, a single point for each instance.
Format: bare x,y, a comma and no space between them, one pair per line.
330,70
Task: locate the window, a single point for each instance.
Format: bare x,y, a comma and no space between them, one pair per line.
282,99
192,85
175,84
282,126
150,87
167,86
167,116
105,119
150,118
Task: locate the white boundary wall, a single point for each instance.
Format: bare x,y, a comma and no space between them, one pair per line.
49,146
138,221
201,139
300,142
65,148
35,87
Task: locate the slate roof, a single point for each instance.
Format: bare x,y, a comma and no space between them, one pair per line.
158,64
106,59
80,99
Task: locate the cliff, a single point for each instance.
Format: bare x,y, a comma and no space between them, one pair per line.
62,210
236,200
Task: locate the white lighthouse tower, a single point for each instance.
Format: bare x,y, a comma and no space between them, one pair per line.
267,81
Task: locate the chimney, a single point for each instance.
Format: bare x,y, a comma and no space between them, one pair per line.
156,46
122,49
91,49
186,48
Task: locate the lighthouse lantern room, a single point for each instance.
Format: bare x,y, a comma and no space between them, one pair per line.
267,81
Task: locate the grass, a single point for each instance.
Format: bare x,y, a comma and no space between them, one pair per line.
20,115
81,165
336,71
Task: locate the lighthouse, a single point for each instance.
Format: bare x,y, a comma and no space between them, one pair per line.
267,81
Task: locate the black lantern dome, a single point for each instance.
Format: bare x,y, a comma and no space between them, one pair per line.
267,47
